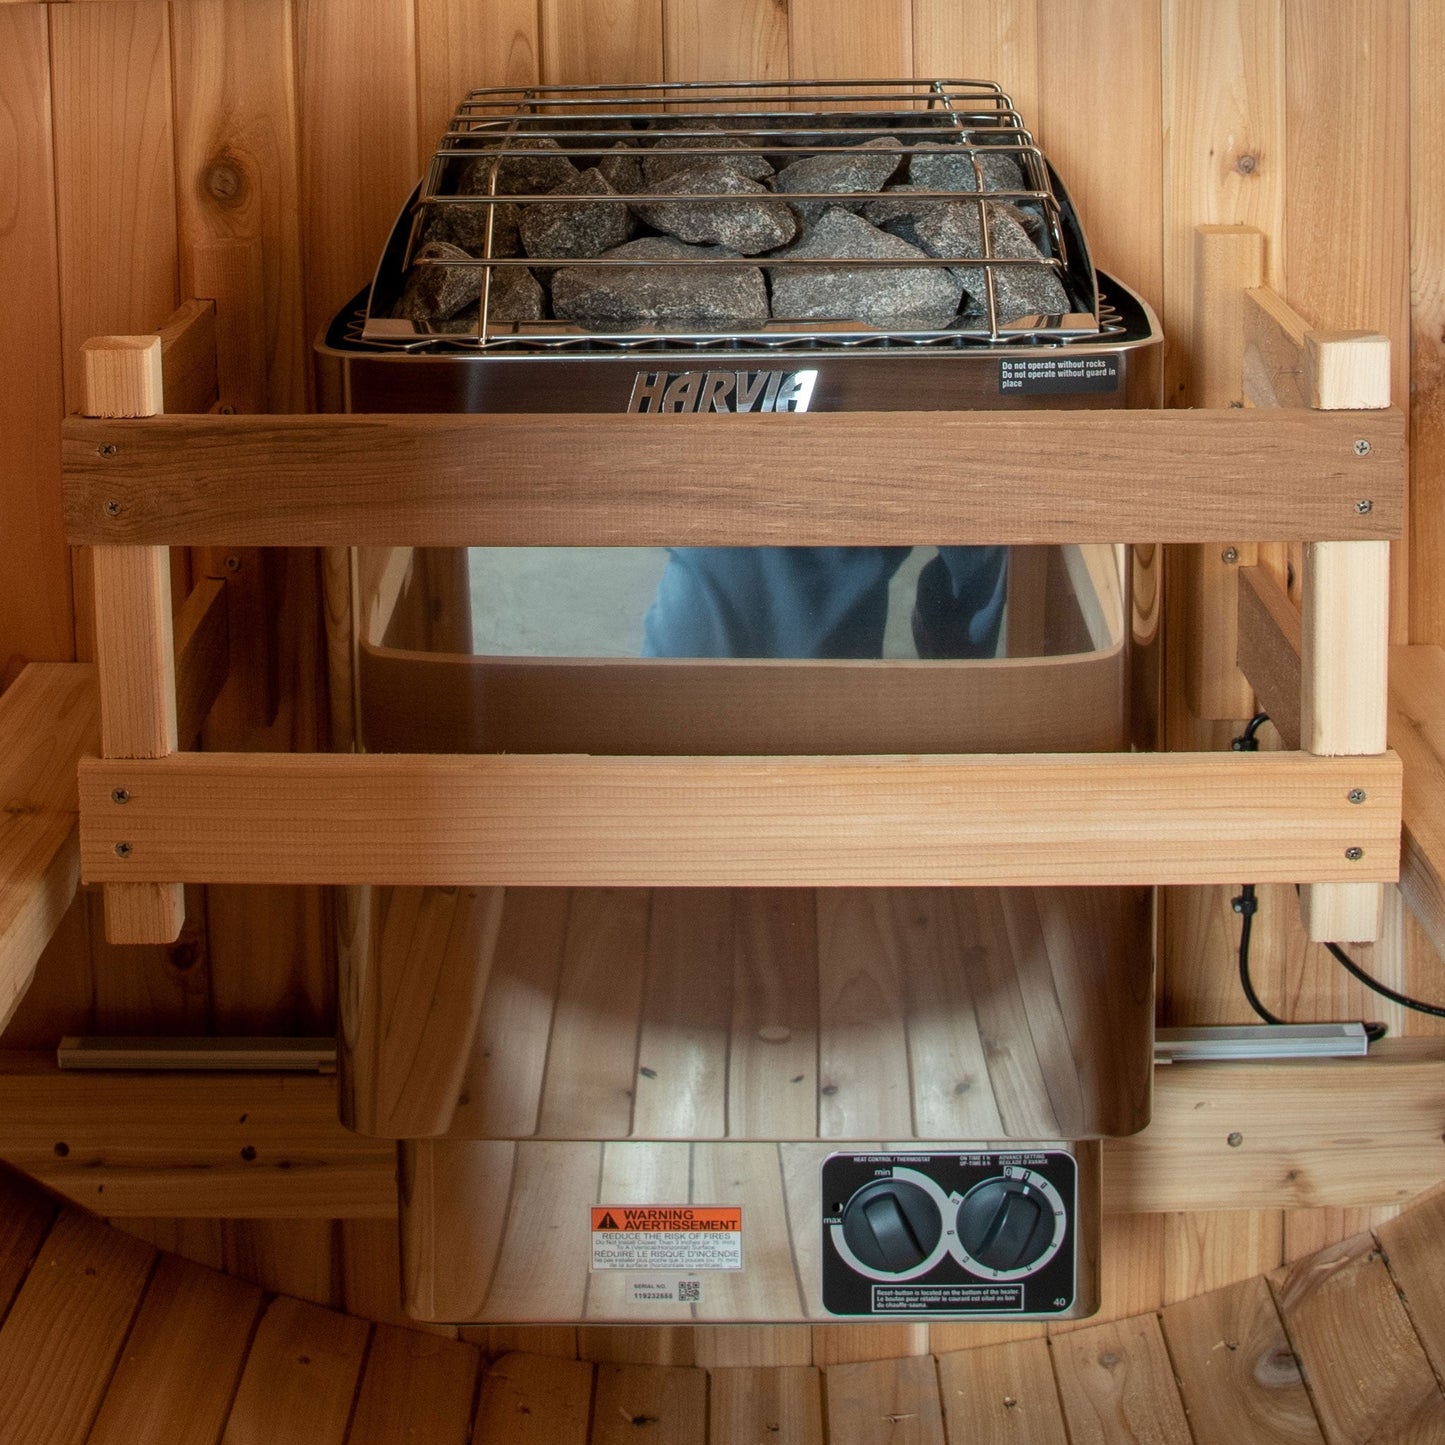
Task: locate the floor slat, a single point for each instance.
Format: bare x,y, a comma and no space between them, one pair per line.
415,1387
534,1400
1367,1373
782,1405
884,1402
300,1377
1416,1261
65,1329
1002,1394
670,1403
1117,1387
1237,1373
178,1372
25,1219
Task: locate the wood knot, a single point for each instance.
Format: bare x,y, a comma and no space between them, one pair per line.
1277,1369
1247,164
224,182
1109,1359
775,1033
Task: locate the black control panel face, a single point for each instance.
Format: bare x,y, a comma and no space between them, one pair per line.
943,1235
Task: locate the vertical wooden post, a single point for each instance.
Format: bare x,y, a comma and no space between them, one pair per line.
135,652
1345,655
1343,700
1227,261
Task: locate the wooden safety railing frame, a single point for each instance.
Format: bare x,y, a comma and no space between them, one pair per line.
154,817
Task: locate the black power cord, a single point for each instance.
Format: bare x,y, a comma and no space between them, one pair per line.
1247,905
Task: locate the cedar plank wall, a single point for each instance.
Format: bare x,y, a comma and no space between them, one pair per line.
134,137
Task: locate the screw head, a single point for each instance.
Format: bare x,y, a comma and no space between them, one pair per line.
233,563
107,449
1230,555
1364,506
1356,795
122,850
1362,448
1235,1140
1354,854
119,795
112,509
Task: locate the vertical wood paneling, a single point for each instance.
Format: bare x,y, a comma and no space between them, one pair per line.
236,161
1099,123
850,39
35,620
1348,186
1224,153
461,45
114,156
358,140
1427,306
1207,1250
725,39
981,40
594,42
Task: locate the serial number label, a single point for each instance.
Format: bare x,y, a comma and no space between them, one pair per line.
1057,375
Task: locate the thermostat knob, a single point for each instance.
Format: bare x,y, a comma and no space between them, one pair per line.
891,1225
1005,1224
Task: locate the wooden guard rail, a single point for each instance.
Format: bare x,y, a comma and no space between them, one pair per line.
154,817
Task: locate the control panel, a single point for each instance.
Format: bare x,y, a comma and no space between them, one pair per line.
943,1235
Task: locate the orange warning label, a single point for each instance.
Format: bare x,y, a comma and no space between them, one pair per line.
668,1219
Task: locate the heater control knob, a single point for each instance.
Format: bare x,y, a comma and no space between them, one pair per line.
891,1225
1008,1225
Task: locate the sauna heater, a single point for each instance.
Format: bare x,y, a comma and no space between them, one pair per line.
880,246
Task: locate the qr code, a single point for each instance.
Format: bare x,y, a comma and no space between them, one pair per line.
689,1291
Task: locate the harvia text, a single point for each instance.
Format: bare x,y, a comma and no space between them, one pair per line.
722,391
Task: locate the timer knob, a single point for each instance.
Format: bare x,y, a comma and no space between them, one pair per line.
1005,1224
891,1225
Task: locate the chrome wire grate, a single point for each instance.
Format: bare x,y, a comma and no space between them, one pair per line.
988,224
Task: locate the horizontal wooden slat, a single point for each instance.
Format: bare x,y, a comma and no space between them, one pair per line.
739,822
48,716
1338,1133
866,478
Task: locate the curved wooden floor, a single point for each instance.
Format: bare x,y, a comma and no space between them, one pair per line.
106,1341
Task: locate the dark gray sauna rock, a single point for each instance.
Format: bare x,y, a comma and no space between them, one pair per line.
922,297
433,293
866,167
658,165
754,222
945,167
622,168
585,226
541,168
716,295
516,295
466,226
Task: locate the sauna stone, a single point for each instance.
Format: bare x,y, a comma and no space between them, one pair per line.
433,293
926,297
466,226
754,222
621,167
615,295
537,173
585,226
658,167
867,167
942,167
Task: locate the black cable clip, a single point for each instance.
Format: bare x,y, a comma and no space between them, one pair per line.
1246,903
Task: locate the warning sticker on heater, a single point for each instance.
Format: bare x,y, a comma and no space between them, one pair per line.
667,1237
1058,375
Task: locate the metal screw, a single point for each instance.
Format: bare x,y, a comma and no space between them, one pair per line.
233,563
1357,795
112,509
1230,555
226,409
1354,854
119,795
122,850
107,449
1362,448
1235,1140
1364,506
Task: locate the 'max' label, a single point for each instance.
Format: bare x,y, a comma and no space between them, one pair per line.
722,391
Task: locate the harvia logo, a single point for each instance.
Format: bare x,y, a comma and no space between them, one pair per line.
722,391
